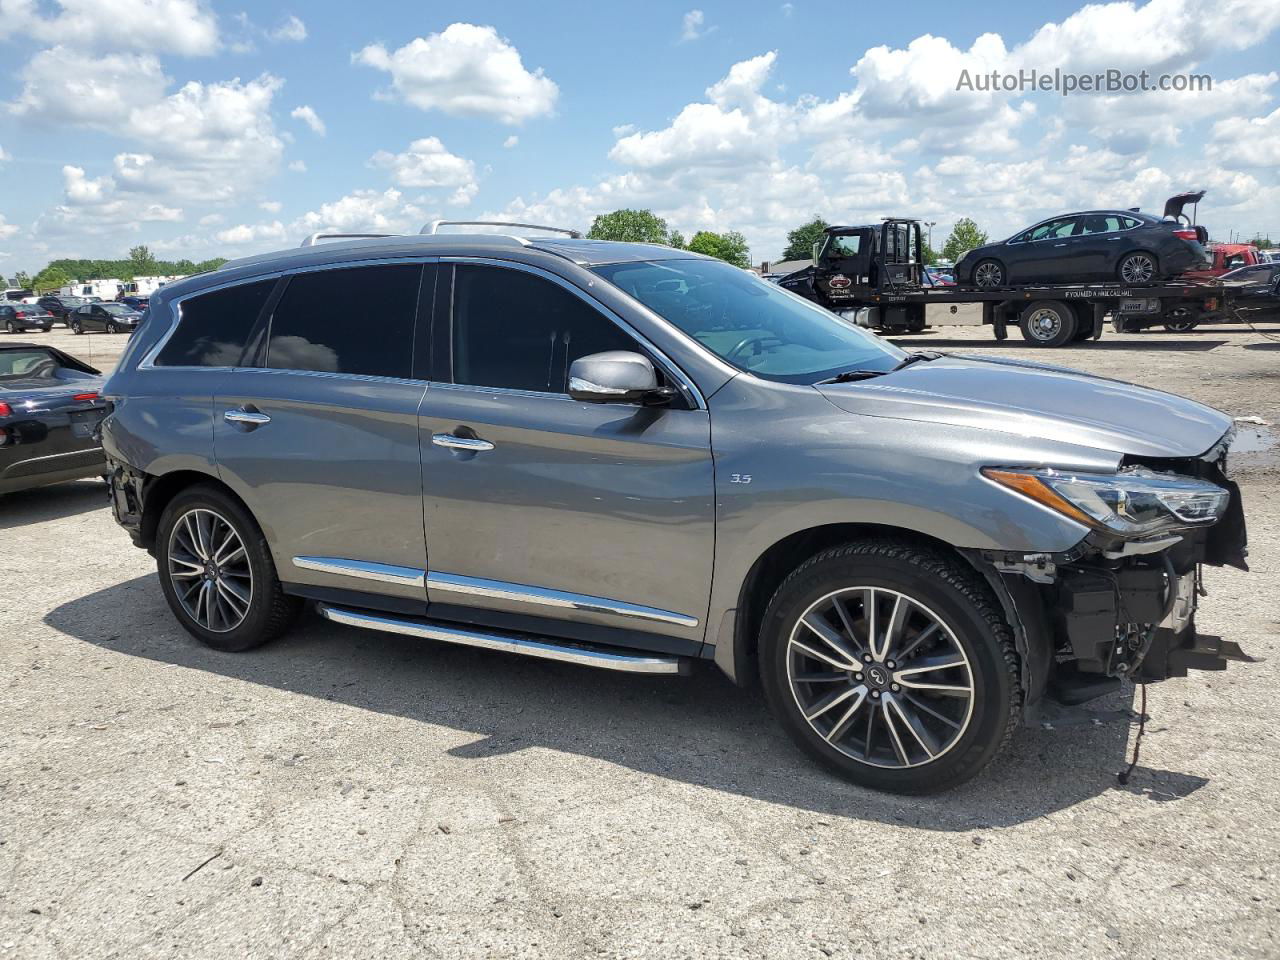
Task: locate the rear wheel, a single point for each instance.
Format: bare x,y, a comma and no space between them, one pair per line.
988,274
1048,323
217,573
891,665
10,326
1181,319
1137,268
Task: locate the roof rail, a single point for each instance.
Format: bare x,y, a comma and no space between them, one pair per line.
435,225
315,238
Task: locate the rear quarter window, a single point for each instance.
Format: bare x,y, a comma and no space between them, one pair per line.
213,327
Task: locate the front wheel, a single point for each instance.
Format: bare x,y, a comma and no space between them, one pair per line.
891,665
988,274
217,573
1137,268
76,328
111,327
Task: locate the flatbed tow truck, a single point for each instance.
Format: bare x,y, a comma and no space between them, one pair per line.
874,276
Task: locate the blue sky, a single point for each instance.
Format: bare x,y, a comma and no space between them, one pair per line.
179,123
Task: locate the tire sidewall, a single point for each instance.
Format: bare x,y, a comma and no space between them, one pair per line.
252,631
994,688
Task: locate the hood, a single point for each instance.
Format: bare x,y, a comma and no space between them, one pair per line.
1173,206
1037,400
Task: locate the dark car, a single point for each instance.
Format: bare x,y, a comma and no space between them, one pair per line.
1122,245
1252,294
49,412
134,302
110,317
21,317
61,306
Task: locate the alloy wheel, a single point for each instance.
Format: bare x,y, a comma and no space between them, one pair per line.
209,570
988,275
880,677
1138,268
1044,324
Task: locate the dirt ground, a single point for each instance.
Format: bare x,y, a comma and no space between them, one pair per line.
350,794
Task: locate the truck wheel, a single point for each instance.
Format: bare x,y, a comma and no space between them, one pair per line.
988,274
1181,319
1048,323
1137,268
217,574
892,666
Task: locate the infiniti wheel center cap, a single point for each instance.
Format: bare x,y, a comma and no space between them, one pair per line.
877,676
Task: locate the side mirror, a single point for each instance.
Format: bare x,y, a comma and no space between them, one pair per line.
616,376
815,250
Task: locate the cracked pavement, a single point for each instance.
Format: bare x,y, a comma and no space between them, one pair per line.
366,795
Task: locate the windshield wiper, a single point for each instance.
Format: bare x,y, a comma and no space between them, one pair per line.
911,358
850,375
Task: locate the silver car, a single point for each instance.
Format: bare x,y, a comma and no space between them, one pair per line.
631,457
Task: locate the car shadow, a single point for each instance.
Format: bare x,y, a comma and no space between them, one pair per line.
1161,343
701,730
52,503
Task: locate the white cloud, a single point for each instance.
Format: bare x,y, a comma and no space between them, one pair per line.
271,206
691,26
173,26
94,205
297,166
310,118
273,232
426,163
507,144
211,219
466,69
3,156
216,141
290,30
364,211
788,9
7,229
1248,141
60,85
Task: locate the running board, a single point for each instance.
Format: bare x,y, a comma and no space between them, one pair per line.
546,649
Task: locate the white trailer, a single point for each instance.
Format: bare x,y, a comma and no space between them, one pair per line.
104,289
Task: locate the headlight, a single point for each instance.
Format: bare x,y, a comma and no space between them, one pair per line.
1133,503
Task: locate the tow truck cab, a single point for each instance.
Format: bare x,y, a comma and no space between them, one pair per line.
856,265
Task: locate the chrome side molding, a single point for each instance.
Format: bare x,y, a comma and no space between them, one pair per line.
541,596
363,570
544,649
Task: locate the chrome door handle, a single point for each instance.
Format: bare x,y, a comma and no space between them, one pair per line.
470,444
248,418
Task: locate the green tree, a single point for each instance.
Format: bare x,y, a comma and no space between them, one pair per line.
930,254
142,262
730,247
965,235
1262,242
676,239
630,226
204,266
800,241
50,278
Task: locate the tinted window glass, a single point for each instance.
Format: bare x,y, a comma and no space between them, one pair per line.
1054,228
519,331
1101,223
358,321
214,326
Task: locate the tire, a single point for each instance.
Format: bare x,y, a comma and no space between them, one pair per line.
10,327
988,274
75,327
111,327
214,610
941,590
1138,267
1048,323
1182,320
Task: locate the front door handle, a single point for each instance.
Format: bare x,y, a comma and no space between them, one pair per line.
246,417
454,442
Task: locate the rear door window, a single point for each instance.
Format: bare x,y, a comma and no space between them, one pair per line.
213,327
357,320
1101,223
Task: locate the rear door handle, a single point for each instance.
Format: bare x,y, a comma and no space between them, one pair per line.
453,442
246,417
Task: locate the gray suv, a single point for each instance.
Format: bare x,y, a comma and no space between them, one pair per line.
632,457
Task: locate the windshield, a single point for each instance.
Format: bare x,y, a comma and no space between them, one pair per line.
118,308
751,323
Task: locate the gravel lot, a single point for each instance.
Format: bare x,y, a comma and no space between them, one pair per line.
351,794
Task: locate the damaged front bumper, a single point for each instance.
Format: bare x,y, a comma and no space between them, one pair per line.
1112,609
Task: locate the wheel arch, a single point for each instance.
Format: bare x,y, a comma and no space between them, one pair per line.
160,491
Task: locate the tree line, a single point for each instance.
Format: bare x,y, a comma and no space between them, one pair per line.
140,263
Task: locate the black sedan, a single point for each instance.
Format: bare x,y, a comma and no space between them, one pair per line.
49,412
21,317
1099,245
110,317
134,303
61,306
1252,294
